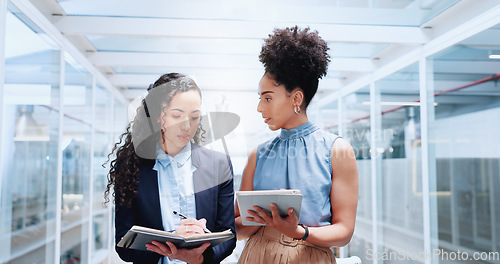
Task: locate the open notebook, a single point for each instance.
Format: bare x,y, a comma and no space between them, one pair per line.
283,199
137,238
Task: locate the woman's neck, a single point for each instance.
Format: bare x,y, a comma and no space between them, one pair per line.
296,121
171,151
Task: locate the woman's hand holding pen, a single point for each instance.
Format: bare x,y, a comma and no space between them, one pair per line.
287,225
186,228
191,226
183,228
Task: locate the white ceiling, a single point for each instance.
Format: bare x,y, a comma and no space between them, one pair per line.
218,41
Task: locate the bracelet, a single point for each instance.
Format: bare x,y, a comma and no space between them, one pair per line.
306,234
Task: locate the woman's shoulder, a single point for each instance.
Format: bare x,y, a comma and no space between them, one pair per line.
212,161
206,152
208,156
324,137
321,132
266,144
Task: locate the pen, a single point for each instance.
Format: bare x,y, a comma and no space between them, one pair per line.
179,214
184,217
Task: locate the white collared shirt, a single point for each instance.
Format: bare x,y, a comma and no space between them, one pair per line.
176,189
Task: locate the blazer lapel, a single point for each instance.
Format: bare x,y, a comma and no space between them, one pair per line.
205,187
151,190
195,160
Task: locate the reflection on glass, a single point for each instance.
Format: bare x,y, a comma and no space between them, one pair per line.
30,138
76,163
399,146
463,138
356,122
100,233
356,130
102,146
327,117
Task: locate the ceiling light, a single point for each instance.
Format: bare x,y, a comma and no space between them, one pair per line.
26,128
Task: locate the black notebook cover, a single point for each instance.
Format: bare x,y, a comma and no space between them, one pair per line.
137,238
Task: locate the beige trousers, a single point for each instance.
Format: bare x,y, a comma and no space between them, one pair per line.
269,246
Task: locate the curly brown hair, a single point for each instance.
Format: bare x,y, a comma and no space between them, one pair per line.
296,58
139,141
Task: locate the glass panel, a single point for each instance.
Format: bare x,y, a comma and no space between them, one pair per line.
398,143
100,233
120,120
77,92
356,122
327,117
102,146
76,163
463,140
356,130
102,143
30,139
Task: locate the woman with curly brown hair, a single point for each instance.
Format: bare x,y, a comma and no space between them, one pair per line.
320,164
160,168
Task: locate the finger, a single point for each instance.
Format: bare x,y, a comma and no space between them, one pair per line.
172,247
195,230
291,214
263,214
189,221
161,246
152,247
193,222
274,211
203,221
255,216
251,219
157,249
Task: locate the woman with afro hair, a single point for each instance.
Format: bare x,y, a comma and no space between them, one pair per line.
160,168
320,164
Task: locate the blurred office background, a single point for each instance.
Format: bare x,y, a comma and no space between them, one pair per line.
413,85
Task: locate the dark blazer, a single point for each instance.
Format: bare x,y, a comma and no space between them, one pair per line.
214,197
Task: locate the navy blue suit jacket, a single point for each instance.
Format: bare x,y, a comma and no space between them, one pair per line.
214,198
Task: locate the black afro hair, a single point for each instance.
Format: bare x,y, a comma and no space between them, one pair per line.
296,58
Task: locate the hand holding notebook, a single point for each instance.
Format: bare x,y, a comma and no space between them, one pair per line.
137,238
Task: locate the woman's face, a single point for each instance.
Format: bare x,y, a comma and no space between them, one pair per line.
180,120
276,104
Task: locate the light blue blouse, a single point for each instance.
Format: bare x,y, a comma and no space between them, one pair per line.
299,158
175,183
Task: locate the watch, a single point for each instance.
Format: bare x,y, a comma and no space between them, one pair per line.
307,232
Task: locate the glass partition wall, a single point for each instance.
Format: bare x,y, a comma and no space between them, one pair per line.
76,157
425,137
103,141
464,143
449,206
30,142
399,147
357,131
53,147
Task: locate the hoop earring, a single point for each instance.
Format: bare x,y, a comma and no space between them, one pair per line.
296,109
